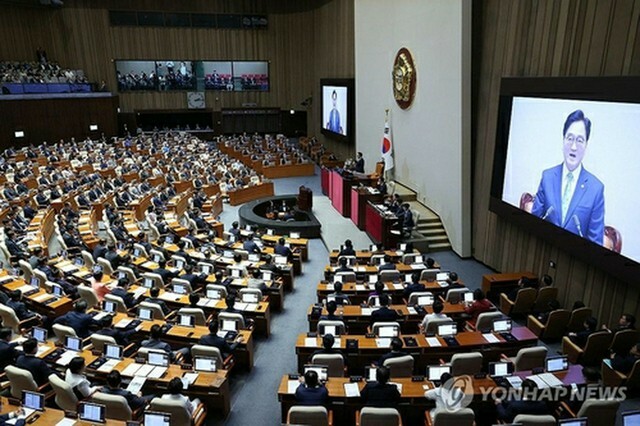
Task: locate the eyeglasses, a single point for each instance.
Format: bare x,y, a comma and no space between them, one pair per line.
570,139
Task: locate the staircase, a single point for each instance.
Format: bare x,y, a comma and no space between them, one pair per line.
429,234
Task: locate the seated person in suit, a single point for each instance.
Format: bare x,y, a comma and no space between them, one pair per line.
437,307
75,377
624,362
155,341
453,282
256,281
327,348
378,289
430,263
230,300
282,250
121,291
174,393
347,250
99,287
310,391
380,393
100,250
626,322
38,368
508,410
414,286
181,252
251,246
212,339
196,280
332,306
237,264
15,249
19,307
342,265
235,231
387,265
166,274
479,305
154,292
268,264
383,313
551,306
442,395
4,418
523,282
337,295
114,381
114,258
396,351
120,335
78,319
8,352
580,338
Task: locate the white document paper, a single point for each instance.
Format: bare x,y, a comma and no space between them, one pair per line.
66,422
443,284
551,379
131,369
241,306
366,311
515,381
42,297
418,266
123,323
383,342
157,372
310,342
330,287
144,370
433,342
169,296
398,286
136,384
489,337
108,366
292,385
351,390
251,307
361,287
541,384
66,358
100,315
188,379
412,310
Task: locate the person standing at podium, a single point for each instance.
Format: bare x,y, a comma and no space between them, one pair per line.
359,165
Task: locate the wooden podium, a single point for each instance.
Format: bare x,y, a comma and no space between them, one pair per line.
305,199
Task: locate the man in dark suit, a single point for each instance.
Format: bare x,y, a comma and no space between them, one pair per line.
100,250
196,280
78,319
384,314
121,291
327,348
343,266
14,248
414,286
18,306
396,351
282,250
508,410
166,274
234,230
120,335
39,369
310,392
154,292
380,393
212,339
114,258
251,246
407,223
359,165
332,306
569,196
347,250
114,380
580,337
8,352
388,265
338,296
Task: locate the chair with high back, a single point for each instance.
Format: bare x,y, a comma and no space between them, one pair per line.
62,331
155,278
545,295
99,340
198,313
65,398
554,328
87,258
466,363
374,416
351,260
529,358
535,420
594,351
461,417
346,277
376,259
88,295
212,352
11,320
116,406
485,321
432,325
577,319
130,274
340,327
388,276
156,254
455,295
599,412
222,290
414,298
378,325
106,266
525,299
401,366
20,380
141,249
612,378
333,362
120,305
309,415
623,340
156,310
230,316
186,284
26,269
429,275
179,413
252,291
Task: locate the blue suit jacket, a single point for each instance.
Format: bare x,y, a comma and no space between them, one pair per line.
586,207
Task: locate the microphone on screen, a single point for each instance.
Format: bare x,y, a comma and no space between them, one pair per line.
548,212
577,222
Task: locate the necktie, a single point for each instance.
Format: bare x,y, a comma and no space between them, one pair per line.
566,196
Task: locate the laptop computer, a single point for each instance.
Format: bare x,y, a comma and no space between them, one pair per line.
228,253
267,276
502,327
270,232
582,421
158,358
204,364
145,314
426,300
78,261
109,306
91,412
330,329
388,331
147,282
294,235
179,264
157,419
500,369
206,268
229,325
113,351
435,372
322,370
556,363
73,343
56,290
448,333
40,334
214,294
33,400
280,260
236,273
249,298
179,289
136,252
467,297
186,320
169,239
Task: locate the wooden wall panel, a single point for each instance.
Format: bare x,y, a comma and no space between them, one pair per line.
546,38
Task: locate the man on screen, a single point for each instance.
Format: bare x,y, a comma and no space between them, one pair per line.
569,196
334,116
